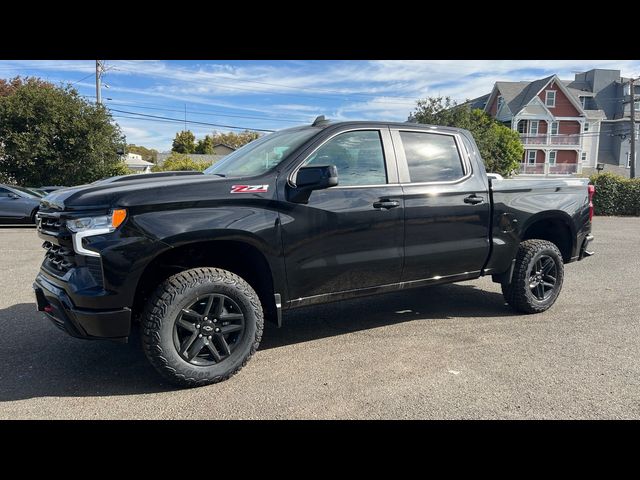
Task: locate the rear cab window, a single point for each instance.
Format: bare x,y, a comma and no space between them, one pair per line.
432,157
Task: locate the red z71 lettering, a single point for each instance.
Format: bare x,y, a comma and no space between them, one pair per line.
249,188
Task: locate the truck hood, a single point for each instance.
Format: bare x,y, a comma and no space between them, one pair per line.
141,190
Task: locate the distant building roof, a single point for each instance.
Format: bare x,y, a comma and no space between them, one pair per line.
223,145
517,95
478,102
578,89
135,160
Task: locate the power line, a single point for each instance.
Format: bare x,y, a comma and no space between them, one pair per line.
83,78
147,119
210,113
192,121
147,105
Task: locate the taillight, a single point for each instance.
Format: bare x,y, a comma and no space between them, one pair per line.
592,192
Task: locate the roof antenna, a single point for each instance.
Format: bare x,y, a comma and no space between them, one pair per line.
320,120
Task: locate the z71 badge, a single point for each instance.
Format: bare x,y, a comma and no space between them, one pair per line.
249,188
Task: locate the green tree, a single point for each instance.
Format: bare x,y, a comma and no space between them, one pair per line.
7,179
147,154
8,87
179,161
119,168
235,140
499,146
185,142
49,135
205,145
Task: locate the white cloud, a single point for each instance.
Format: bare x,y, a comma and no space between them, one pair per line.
297,90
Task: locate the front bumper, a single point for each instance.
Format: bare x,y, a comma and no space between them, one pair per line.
80,323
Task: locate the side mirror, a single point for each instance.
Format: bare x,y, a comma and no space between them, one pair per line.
312,178
13,196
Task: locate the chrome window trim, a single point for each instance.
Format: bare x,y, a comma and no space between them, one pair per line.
379,185
403,165
388,163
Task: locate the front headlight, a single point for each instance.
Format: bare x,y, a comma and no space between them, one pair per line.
90,226
103,222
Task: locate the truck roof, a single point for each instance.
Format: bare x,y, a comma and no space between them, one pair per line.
412,125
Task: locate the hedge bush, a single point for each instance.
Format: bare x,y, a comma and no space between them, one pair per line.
616,195
179,161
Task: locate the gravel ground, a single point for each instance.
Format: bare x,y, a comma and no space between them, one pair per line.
452,351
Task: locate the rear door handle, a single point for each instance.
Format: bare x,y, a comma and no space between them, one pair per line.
386,204
473,199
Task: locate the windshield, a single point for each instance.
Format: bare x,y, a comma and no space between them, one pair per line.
37,193
24,190
261,155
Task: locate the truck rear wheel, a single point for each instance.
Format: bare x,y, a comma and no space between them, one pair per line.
201,326
537,277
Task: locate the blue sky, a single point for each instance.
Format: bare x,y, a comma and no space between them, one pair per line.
278,94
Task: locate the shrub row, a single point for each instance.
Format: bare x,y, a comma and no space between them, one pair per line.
616,195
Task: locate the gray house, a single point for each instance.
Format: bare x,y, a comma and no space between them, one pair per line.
567,126
223,149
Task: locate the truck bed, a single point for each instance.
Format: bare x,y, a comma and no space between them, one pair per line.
518,203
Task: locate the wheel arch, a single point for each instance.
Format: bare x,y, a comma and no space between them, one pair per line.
240,256
555,226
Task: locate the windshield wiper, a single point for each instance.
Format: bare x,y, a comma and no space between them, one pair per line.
218,174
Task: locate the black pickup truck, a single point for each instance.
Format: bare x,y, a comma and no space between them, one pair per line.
303,216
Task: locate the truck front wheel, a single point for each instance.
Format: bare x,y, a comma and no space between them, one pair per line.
537,277
201,326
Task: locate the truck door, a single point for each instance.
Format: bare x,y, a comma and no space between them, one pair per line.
446,205
347,237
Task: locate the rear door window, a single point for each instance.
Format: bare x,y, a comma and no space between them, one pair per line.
432,157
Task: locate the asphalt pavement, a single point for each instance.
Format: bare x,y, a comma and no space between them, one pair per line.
445,352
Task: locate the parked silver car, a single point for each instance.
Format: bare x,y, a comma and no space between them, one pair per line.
18,205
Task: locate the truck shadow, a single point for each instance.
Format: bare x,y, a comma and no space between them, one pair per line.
422,304
37,360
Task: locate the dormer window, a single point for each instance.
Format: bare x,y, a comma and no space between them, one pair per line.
550,98
500,102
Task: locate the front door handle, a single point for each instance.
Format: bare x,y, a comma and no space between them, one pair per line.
386,204
473,199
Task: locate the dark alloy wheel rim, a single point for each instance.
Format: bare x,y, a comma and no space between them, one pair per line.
209,330
543,277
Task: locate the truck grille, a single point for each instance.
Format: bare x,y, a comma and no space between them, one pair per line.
58,259
49,225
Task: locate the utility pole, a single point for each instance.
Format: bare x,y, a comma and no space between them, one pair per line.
98,86
632,152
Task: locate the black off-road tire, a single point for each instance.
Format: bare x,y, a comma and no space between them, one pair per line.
518,293
163,308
